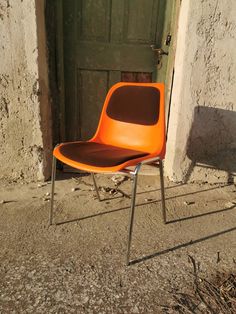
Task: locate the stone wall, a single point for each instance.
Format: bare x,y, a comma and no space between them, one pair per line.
202,127
25,127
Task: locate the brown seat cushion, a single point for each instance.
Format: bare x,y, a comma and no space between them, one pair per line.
98,155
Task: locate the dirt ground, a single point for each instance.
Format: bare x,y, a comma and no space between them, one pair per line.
79,266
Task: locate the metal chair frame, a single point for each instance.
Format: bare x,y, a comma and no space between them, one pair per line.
156,162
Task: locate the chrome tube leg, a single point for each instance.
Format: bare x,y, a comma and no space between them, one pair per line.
162,191
135,179
95,186
53,177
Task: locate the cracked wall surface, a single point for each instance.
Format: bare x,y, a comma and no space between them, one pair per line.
24,148
202,127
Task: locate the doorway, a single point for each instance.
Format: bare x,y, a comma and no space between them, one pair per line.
99,43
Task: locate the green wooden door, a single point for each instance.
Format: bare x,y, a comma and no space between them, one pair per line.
104,42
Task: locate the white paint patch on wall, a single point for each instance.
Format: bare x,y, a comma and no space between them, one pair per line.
202,128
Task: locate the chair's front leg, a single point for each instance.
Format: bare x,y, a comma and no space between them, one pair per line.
134,189
162,191
96,187
53,177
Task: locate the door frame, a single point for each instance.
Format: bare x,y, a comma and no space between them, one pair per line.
173,29
56,55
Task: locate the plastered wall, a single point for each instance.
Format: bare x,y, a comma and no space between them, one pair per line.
25,127
202,127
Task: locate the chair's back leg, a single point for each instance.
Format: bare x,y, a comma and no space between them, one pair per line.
53,177
162,191
95,186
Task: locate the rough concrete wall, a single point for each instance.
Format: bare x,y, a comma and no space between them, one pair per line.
202,127
23,146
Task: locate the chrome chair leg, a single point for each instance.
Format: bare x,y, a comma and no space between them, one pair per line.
53,177
135,180
162,191
96,187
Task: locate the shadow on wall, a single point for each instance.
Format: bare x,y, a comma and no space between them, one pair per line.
212,141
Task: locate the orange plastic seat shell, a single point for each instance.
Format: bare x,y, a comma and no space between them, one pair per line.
150,139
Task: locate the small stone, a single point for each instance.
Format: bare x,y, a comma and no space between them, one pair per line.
85,299
46,199
74,189
202,307
112,191
47,194
2,201
135,309
189,202
117,179
40,185
148,199
231,203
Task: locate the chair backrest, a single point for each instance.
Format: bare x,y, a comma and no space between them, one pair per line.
133,116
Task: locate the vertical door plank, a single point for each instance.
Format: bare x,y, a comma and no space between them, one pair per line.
94,17
114,77
117,21
140,21
92,92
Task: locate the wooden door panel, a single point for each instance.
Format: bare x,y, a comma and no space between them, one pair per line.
140,21
94,20
92,89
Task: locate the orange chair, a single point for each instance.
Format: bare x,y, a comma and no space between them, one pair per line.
131,132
